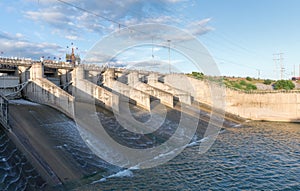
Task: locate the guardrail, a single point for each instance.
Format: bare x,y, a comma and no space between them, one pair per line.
29,62
4,112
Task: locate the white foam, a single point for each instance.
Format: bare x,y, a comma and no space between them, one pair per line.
237,125
22,102
194,143
165,154
122,173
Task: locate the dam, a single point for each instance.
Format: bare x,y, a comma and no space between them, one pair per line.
44,127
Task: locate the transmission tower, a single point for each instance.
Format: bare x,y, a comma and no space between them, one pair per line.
278,59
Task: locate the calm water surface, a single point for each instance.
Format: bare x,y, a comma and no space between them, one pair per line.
259,156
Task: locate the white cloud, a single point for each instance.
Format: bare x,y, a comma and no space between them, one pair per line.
72,37
101,15
19,35
199,27
16,45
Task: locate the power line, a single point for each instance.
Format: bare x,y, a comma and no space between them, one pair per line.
119,24
91,12
219,58
125,26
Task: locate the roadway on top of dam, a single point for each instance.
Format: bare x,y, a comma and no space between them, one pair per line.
59,65
48,63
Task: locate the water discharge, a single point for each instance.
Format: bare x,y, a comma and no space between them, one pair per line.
253,156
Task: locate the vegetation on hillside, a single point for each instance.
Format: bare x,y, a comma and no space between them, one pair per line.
267,82
247,83
197,75
284,84
240,84
249,78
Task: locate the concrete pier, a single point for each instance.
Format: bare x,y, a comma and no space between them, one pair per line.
140,98
43,91
183,96
164,97
87,91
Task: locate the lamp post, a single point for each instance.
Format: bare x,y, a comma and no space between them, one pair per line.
169,41
72,57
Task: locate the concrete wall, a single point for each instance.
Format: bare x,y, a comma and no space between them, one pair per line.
269,106
40,90
183,96
92,76
278,106
54,80
87,91
142,99
164,97
199,90
9,81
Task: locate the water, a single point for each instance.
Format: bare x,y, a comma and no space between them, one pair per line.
16,173
256,156
261,156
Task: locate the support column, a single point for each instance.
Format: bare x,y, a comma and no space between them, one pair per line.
37,71
109,76
133,78
24,73
63,76
153,78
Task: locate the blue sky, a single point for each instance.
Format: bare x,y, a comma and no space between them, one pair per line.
241,36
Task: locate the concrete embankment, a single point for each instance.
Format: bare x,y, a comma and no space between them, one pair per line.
268,106
29,123
53,145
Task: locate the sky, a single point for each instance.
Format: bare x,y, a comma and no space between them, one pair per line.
241,36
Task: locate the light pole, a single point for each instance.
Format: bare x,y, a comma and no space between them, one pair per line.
169,41
71,57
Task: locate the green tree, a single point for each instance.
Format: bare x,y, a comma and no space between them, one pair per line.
284,84
198,75
267,82
243,83
249,78
251,87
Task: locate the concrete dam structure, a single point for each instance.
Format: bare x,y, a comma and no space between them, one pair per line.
57,87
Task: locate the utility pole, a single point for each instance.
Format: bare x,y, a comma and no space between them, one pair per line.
258,73
169,41
276,66
282,69
278,58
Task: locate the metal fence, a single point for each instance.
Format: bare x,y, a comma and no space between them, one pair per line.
4,111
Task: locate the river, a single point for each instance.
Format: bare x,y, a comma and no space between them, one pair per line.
253,156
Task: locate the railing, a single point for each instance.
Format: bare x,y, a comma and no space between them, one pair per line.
29,62
93,67
4,111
